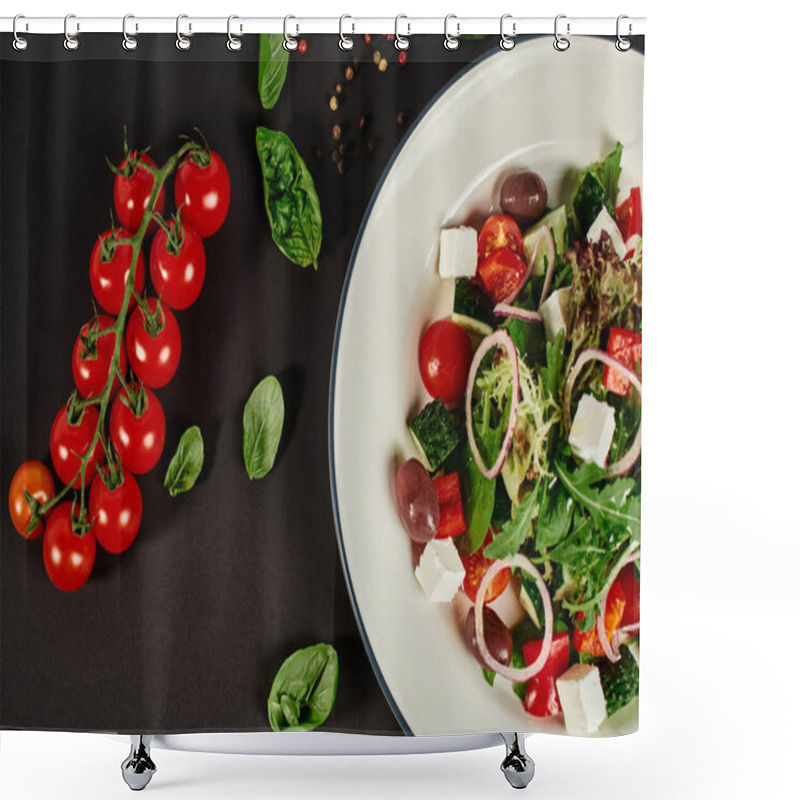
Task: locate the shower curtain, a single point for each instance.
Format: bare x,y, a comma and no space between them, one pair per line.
320,385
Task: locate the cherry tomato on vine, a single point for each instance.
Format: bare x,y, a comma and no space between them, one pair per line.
178,270
132,192
476,566
498,231
138,438
68,439
68,557
91,364
116,513
203,192
445,355
109,267
154,355
32,477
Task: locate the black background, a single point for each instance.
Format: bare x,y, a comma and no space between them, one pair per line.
186,630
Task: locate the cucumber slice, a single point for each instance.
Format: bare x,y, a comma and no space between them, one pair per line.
556,220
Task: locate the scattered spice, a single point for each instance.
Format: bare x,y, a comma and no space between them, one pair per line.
336,132
317,154
334,103
402,118
302,46
336,156
402,58
342,148
382,64
340,167
372,144
349,72
364,121
376,57
367,38
338,88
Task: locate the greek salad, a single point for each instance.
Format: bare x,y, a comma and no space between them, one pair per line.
523,501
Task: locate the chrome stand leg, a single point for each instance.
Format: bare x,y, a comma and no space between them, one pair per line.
518,765
138,768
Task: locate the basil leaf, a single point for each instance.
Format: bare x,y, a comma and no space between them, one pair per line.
304,689
290,197
273,61
185,466
478,501
510,537
263,425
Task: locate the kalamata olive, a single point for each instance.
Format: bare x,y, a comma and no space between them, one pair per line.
417,501
524,196
496,634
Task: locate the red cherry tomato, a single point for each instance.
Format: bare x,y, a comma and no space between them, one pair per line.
203,193
91,367
501,273
498,231
116,514
32,477
132,193
68,557
66,440
588,641
445,355
154,356
178,276
138,439
630,586
476,566
108,277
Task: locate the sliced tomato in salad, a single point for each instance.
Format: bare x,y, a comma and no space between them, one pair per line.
630,585
451,508
588,642
498,231
626,347
542,697
501,273
476,566
629,214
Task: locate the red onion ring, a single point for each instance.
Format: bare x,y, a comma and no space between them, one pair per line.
506,310
612,652
513,673
593,354
497,339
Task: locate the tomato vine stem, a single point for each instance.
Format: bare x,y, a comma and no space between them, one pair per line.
79,522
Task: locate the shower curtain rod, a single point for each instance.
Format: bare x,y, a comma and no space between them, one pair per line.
294,25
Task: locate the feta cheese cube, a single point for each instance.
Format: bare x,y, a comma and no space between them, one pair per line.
592,430
458,252
582,700
440,571
605,222
555,313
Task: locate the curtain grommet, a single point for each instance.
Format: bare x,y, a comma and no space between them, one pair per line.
623,43
507,41
71,42
345,42
451,42
560,42
20,43
234,43
289,42
129,42
182,42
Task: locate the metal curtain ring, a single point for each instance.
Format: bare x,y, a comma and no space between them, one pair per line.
345,42
561,43
507,42
70,42
401,42
182,42
20,42
234,42
451,42
129,42
289,42
623,43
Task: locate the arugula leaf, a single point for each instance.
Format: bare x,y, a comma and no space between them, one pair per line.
290,198
185,466
553,373
273,62
304,690
263,425
479,494
597,186
555,517
510,537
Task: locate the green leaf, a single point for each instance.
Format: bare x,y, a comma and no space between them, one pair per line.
510,537
273,61
479,494
555,517
489,676
290,198
263,425
304,690
553,373
186,464
598,186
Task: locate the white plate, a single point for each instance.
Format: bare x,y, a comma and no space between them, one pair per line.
532,107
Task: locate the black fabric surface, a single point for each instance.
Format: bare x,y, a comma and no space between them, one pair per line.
186,630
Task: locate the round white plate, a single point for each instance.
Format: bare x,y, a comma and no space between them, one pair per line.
531,107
